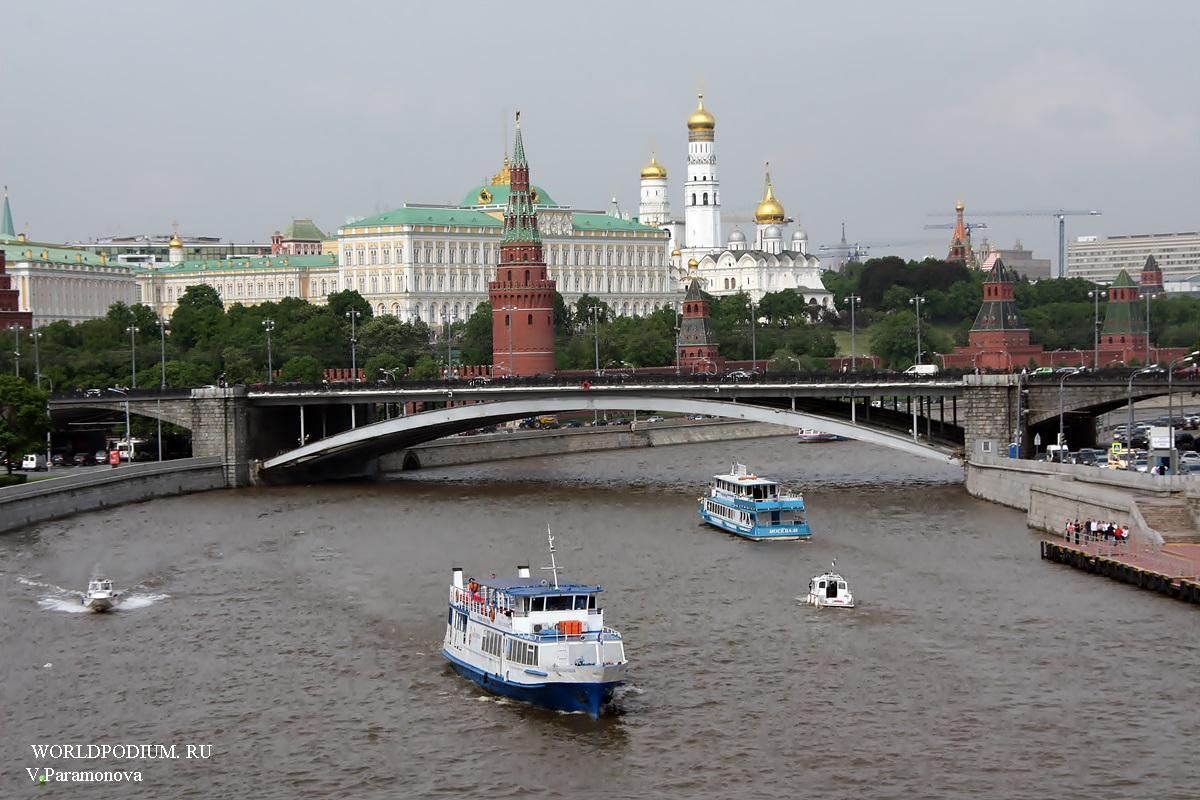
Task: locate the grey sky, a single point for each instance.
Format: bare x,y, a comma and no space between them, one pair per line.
234,117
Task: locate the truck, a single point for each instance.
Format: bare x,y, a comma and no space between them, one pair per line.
922,370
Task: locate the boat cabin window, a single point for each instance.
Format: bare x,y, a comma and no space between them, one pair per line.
581,602
538,604
591,601
559,602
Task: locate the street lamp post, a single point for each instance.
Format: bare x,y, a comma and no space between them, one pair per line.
268,326
162,376
1061,428
1129,426
128,435
596,331
854,300
508,322
917,301
753,338
1096,295
449,357
37,362
132,330
1190,357
17,350
1147,361
353,315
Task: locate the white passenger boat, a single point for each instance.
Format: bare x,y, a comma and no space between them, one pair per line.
829,589
538,641
99,595
753,507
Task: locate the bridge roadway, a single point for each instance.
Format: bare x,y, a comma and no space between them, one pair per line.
963,414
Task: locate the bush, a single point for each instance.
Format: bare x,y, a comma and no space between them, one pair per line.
12,480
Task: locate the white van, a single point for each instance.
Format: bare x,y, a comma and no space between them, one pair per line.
34,462
922,369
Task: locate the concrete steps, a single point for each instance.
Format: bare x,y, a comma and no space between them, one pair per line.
1170,518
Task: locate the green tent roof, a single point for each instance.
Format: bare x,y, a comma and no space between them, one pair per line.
303,230
6,227
1123,281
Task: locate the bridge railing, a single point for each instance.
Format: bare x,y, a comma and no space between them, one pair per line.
108,396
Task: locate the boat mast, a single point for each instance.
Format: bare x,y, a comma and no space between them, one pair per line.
553,565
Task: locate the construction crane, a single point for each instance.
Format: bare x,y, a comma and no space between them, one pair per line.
949,226
1060,214
854,251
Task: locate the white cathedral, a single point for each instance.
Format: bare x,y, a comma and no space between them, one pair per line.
767,266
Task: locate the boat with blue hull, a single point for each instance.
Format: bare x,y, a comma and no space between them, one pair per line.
537,641
754,507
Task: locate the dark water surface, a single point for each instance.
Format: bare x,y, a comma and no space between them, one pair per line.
297,630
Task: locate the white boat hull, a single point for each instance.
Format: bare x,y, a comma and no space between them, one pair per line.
827,602
99,603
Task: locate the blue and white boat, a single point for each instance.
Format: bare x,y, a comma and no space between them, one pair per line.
538,641
753,507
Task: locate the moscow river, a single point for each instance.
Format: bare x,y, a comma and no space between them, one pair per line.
297,631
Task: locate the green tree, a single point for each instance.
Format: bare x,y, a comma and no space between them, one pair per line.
198,318
237,367
303,369
582,316
425,369
347,299
894,339
23,418
784,308
375,366
475,344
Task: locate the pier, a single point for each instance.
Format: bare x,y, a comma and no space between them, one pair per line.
1171,571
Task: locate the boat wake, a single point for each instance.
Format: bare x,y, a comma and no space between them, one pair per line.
68,600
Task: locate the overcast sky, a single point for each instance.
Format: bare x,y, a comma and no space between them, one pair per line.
233,117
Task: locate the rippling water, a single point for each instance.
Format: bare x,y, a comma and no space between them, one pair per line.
297,631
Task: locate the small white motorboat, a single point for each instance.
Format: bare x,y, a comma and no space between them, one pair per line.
99,595
829,590
810,435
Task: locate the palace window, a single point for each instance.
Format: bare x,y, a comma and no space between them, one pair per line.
705,198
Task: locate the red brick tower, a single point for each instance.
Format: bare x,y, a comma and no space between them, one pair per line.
522,295
1152,277
998,326
10,316
696,347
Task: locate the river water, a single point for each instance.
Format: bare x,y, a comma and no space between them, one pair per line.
297,631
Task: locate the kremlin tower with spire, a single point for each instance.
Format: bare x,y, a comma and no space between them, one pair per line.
522,295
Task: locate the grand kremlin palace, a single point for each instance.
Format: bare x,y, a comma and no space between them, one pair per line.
430,262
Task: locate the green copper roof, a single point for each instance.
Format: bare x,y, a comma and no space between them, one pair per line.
518,159
1123,280
498,196
303,230
16,252
603,222
1000,274
1124,317
232,264
996,314
6,228
415,215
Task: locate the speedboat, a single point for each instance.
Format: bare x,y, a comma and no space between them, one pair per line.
811,435
99,595
538,641
829,589
753,507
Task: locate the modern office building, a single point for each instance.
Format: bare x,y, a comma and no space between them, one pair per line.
1101,259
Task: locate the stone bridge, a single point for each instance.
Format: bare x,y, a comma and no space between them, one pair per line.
322,431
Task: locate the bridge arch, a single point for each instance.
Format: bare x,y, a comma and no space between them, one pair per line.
172,411
403,432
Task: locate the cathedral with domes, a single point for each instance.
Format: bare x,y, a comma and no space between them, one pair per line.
775,260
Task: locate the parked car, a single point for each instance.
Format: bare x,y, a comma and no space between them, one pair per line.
92,393
83,459
737,375
479,380
34,462
59,460
1190,457
655,418
101,456
1192,422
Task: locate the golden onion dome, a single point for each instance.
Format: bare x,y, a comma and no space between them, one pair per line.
654,170
175,241
701,120
769,211
692,264
676,253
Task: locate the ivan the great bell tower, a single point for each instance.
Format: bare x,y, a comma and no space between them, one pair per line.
522,296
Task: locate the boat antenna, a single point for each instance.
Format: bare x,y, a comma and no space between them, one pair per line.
553,564
833,566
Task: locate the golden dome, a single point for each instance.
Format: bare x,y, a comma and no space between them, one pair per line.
769,211
701,120
959,206
654,170
175,241
692,264
675,253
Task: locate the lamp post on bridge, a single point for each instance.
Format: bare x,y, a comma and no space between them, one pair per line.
353,315
1190,357
17,349
162,379
508,323
1129,427
268,326
1061,416
917,301
854,300
753,337
1096,296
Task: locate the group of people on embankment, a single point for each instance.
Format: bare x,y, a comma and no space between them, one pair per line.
1094,530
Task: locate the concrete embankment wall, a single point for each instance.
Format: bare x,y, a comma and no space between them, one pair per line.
59,497
523,444
1050,494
